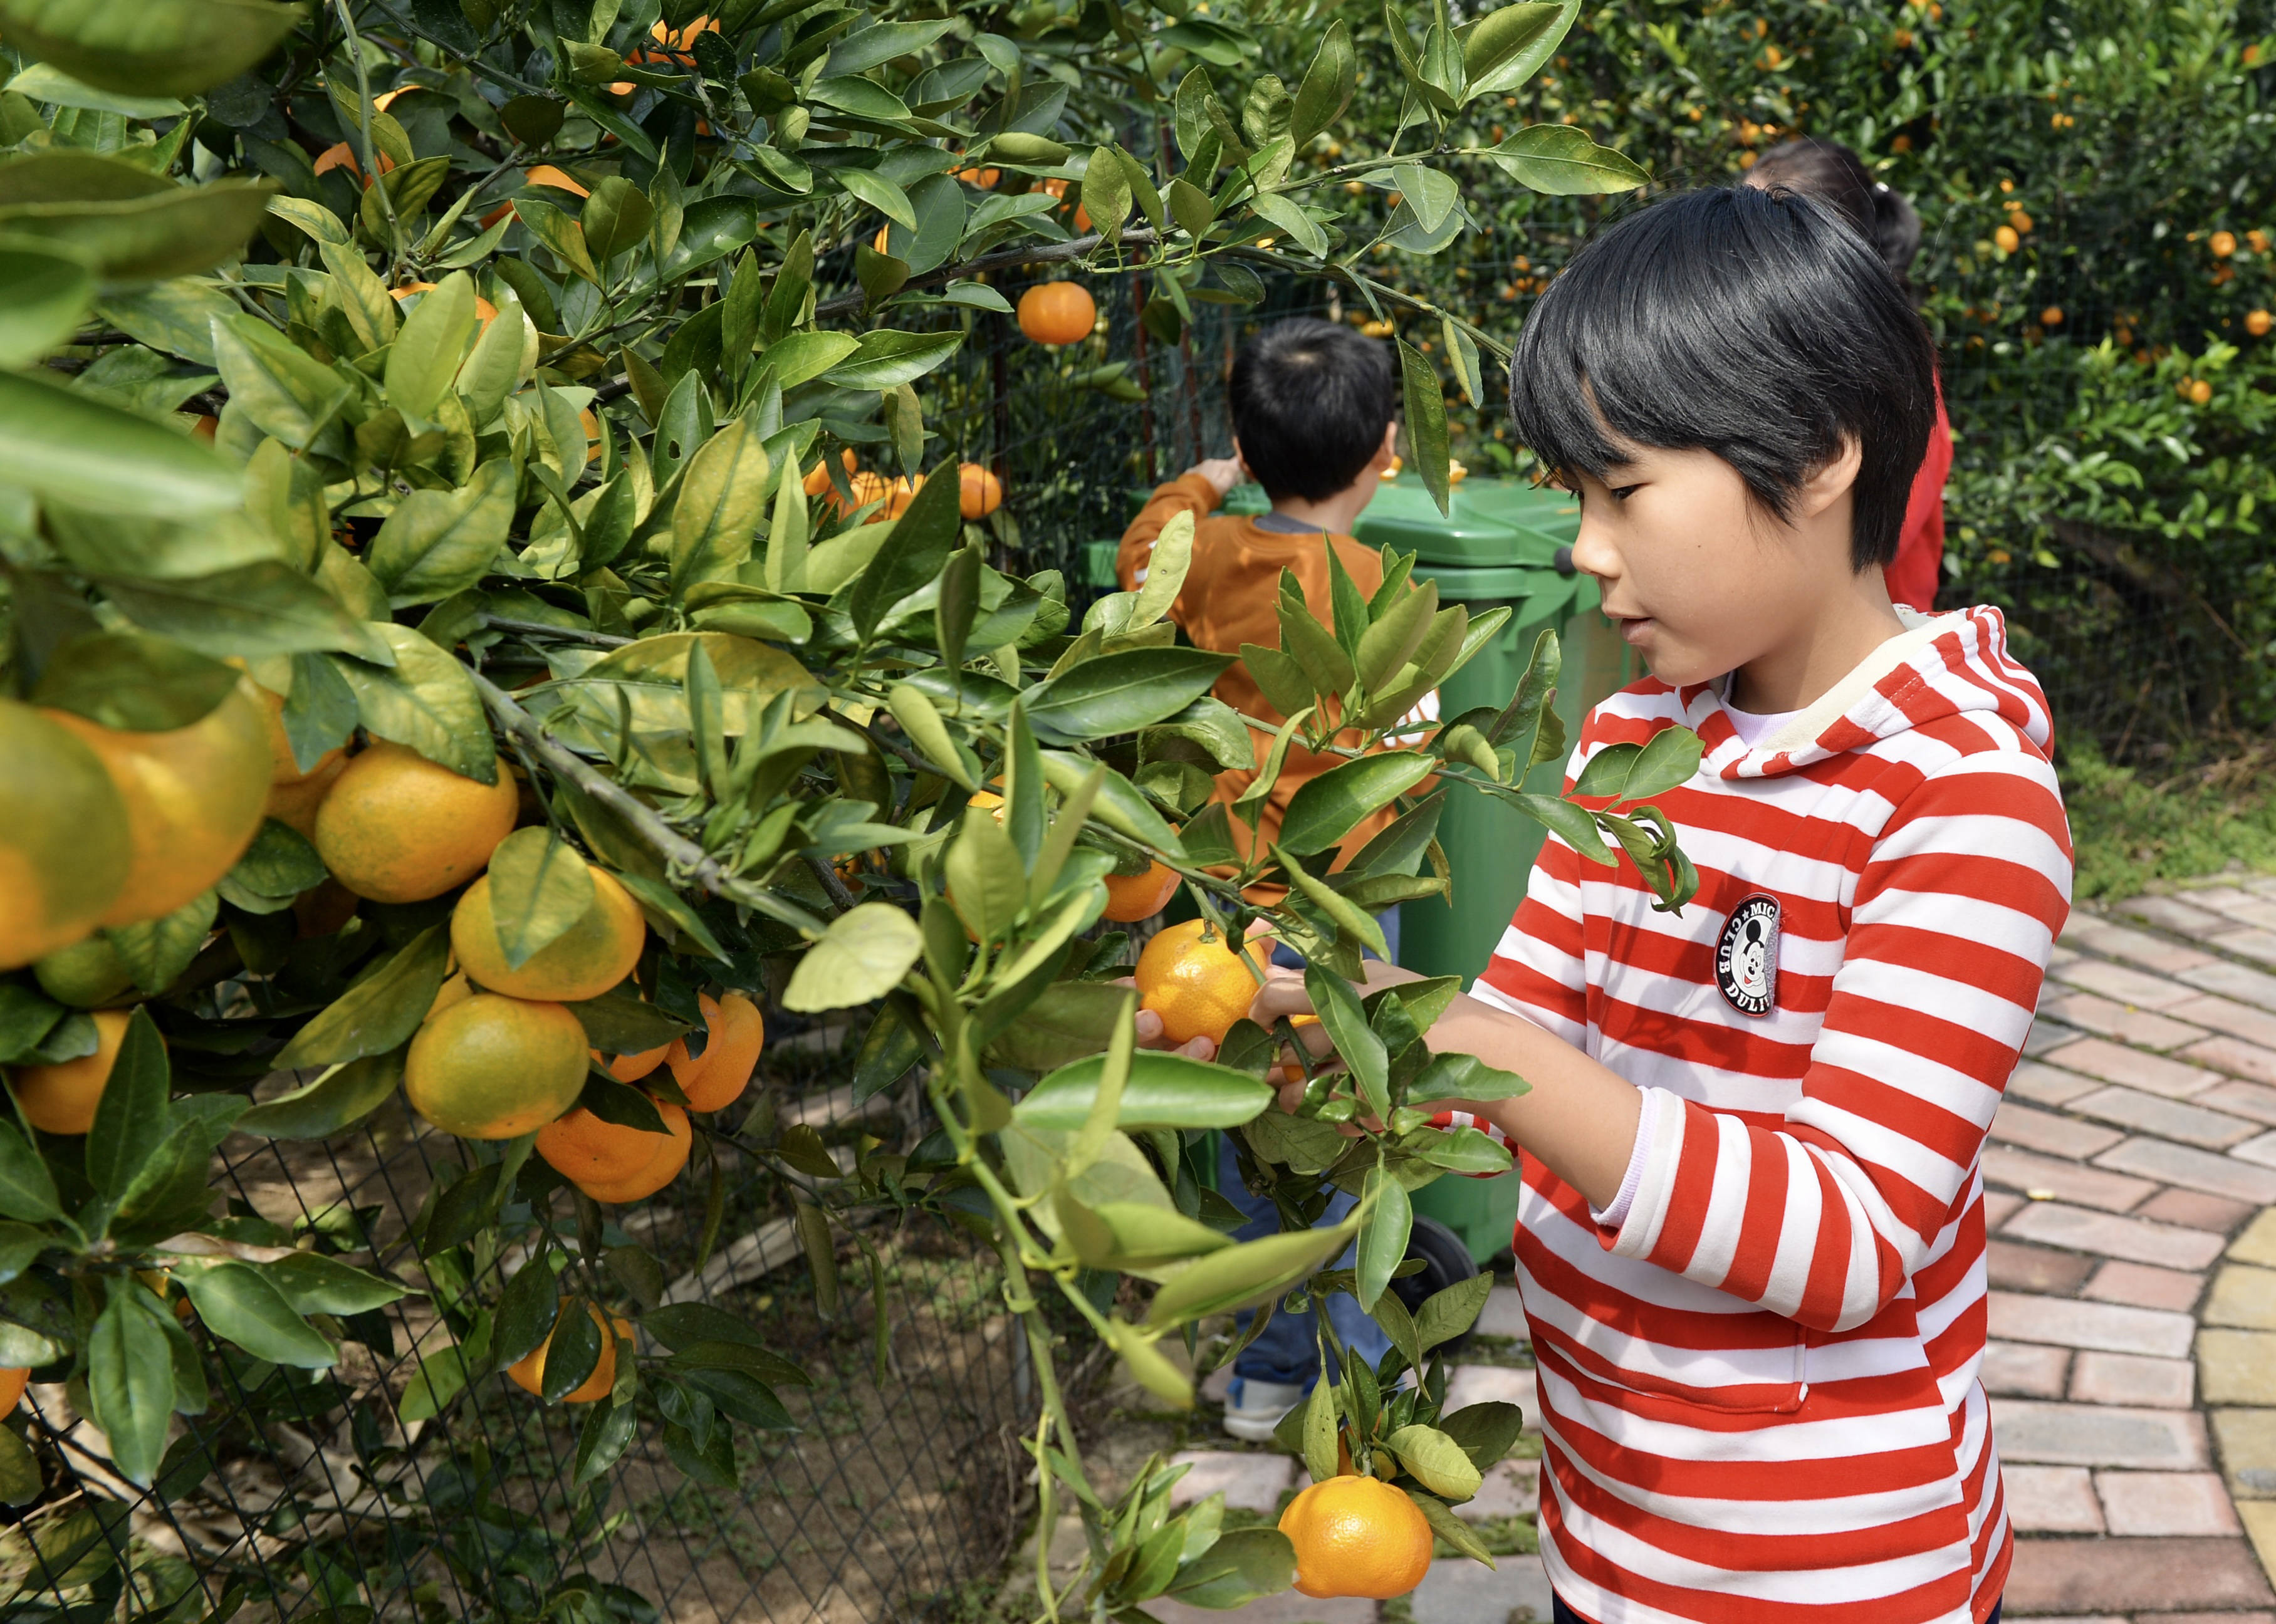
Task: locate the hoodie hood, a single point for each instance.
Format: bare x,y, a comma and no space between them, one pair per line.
1939,666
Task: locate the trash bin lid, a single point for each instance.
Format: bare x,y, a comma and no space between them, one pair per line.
1536,592
1490,522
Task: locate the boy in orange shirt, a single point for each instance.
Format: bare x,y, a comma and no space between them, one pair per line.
1312,422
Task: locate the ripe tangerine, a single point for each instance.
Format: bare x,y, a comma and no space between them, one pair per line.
979,492
399,828
1199,987
61,1098
64,840
493,1067
1131,897
584,962
715,1079
1355,1535
529,1371
1056,313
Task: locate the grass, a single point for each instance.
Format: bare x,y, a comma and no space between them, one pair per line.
2131,831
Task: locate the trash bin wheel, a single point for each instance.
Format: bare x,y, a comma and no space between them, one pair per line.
1445,1261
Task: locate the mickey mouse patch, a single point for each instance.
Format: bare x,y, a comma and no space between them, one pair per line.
1746,959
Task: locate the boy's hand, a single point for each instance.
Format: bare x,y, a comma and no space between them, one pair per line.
1223,473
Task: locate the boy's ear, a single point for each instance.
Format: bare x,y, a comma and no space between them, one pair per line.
1246,473
1831,481
1389,449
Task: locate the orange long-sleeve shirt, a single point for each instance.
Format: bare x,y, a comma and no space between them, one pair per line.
1232,589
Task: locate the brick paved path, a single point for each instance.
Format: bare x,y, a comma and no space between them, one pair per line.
2132,1203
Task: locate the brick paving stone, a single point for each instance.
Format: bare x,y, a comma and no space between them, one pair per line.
2145,1288
2259,913
2261,1151
2198,1169
2241,1100
2168,1119
2234,981
2195,1210
1288,1607
2248,1451
2034,1268
2045,1035
2050,1130
2139,947
2053,1222
2172,913
2131,1068
1999,1206
2164,1504
2022,1370
2221,898
2236,1367
2051,1499
1457,1590
1510,1488
2235,1057
2243,1296
2258,1243
2091,1013
2131,989
2064,1180
2260,1526
2110,1326
2252,943
2223,1617
2083,1576
1503,1315
1484,1384
1251,1480
2245,1021
2048,1085
2130,1379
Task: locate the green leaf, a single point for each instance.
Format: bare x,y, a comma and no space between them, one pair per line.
1436,1460
441,1376
378,1013
1243,1566
437,543
912,555
26,1189
540,886
1391,640
608,1431
721,498
343,1096
863,956
879,43
1106,195
1445,1314
130,1378
869,187
1164,1090
1327,807
1328,86
987,883
669,913
1119,693
149,48
241,1304
131,1116
1289,216
1350,918
1454,1075
44,295
1151,1370
1484,1432
21,1480
427,702
256,609
124,224
1119,806
1383,1243
126,679
1560,160
620,1022
1426,421
1505,48
1446,1526
68,446
1320,1428
426,354
886,359
1635,772
1243,1276
157,950
1570,823
615,218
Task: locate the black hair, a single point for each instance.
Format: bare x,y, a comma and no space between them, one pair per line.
1310,400
1836,176
1750,324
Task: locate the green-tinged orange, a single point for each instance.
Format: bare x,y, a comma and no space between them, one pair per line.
64,843
493,1067
399,828
592,956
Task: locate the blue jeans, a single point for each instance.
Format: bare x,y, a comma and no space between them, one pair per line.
1288,958
1288,1351
1560,1614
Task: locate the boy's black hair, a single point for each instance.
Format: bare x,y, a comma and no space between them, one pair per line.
1835,175
1750,324
1310,400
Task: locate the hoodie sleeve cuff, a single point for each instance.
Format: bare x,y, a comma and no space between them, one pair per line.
1652,1166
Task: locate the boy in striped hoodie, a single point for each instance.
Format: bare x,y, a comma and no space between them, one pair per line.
1751,1246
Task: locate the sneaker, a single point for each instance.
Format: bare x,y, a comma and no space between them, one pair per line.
1253,1409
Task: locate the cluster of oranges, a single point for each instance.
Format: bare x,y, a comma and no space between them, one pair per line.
979,491
613,1163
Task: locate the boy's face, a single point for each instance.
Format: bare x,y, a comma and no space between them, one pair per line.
1701,579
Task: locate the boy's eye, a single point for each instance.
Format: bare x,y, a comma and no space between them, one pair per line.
1621,493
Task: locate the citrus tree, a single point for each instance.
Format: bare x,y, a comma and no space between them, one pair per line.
455,647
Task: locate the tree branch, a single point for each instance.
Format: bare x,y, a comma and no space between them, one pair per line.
1008,259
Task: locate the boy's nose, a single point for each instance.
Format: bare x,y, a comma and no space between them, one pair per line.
1593,552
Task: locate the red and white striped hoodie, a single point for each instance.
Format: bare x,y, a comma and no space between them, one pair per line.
1759,1390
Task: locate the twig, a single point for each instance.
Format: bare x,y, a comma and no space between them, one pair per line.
1008,259
372,177
570,634
666,842
831,883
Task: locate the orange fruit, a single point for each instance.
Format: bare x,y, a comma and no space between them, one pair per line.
2007,238
194,799
12,1387
669,1155
1057,312
1357,1537
493,1067
884,235
592,426
2257,322
682,39
1198,987
529,1371
1131,897
65,843
983,179
715,1079
585,1149
485,312
399,828
979,492
2223,244
341,154
61,1098
632,1068
547,175
294,795
2200,391
584,962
